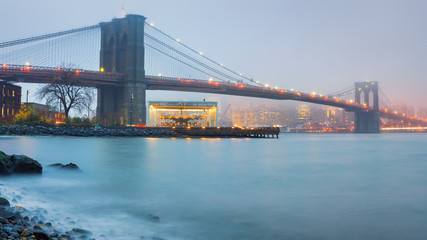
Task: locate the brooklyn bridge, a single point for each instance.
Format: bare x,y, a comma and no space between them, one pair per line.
113,56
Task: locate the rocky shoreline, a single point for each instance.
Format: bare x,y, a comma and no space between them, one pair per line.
17,223
24,130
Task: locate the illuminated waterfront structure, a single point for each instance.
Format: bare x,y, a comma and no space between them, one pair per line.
183,114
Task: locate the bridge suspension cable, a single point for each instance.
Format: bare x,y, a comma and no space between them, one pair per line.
168,55
202,55
45,36
76,48
189,58
387,103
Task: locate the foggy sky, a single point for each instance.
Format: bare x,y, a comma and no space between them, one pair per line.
307,45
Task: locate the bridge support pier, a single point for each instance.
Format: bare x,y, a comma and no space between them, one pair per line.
367,122
122,51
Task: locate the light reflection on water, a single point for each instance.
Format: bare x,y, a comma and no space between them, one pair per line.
296,187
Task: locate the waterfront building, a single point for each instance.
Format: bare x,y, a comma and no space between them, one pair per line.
46,111
183,114
10,100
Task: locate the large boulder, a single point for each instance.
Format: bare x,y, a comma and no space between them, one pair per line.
18,164
4,202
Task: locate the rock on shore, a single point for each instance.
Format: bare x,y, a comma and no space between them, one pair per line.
85,132
18,164
70,166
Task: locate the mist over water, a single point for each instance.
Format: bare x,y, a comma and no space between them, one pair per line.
300,186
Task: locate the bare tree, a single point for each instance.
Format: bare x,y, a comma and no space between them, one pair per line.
71,92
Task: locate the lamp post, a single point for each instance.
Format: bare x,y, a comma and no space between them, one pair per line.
131,109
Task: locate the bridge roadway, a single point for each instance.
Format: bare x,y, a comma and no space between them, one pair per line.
33,74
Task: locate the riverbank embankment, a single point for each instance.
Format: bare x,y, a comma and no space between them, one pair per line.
24,130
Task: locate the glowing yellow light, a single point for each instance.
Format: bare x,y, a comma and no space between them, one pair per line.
102,69
178,40
201,53
240,74
160,74
152,24
27,63
266,85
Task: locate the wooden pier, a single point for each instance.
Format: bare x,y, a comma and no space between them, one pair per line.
231,132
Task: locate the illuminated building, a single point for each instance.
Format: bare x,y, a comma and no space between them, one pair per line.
47,112
10,100
183,114
304,114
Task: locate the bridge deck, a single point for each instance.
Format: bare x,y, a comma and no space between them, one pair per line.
34,74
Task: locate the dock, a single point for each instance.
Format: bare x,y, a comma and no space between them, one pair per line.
228,132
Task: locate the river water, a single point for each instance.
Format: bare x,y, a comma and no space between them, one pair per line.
300,186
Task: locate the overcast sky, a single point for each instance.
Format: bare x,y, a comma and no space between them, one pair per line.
307,45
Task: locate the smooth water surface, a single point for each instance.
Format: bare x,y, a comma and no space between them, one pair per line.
301,186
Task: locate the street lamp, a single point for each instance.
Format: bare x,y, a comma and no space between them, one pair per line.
131,109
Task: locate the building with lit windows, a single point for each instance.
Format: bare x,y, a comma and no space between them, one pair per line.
10,100
304,114
183,114
47,112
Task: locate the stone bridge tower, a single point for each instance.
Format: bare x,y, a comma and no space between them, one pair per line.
367,121
122,51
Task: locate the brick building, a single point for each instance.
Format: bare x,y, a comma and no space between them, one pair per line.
10,100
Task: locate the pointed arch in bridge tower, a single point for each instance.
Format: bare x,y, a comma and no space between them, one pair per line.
122,51
367,121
